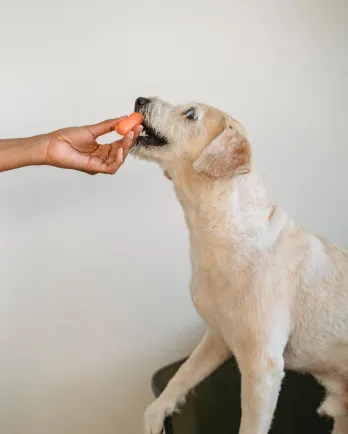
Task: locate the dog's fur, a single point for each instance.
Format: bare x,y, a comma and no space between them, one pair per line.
273,294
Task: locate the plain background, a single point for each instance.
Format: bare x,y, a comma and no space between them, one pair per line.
95,270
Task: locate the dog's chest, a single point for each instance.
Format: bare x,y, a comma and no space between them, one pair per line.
210,311
206,305
218,306
220,269
215,291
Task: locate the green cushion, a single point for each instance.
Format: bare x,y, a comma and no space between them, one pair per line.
214,406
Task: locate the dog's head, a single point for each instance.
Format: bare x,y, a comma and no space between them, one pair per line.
198,137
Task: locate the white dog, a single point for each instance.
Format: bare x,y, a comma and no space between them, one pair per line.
271,293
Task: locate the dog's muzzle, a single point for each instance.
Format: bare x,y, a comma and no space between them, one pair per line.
149,136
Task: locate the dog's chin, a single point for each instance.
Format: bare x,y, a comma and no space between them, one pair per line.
148,153
147,142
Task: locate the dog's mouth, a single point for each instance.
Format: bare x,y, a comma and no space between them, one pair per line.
150,137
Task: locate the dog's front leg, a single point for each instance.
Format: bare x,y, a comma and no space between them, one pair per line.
262,370
341,425
209,354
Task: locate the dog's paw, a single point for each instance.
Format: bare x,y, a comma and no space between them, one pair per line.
154,416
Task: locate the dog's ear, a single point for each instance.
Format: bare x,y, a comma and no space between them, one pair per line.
227,155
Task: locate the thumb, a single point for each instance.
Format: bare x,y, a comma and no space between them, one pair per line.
104,127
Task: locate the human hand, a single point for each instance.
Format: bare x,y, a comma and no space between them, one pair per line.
77,148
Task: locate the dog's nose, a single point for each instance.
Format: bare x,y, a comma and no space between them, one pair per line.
141,101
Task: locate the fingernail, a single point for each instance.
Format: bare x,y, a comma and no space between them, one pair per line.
131,135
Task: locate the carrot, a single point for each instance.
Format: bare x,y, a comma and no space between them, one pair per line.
129,123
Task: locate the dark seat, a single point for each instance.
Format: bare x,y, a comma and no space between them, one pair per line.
214,406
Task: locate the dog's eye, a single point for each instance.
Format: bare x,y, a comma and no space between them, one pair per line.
190,114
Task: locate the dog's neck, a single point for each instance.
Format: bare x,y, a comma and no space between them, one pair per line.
238,205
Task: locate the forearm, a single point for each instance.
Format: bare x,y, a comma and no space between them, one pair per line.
15,153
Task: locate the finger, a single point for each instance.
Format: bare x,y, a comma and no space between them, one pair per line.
137,130
119,157
110,166
104,127
128,140
96,165
124,144
128,145
117,162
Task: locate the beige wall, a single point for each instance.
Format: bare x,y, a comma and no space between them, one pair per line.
94,270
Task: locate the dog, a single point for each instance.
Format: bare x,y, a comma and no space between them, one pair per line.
271,293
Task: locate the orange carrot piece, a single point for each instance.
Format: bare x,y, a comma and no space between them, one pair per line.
129,123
